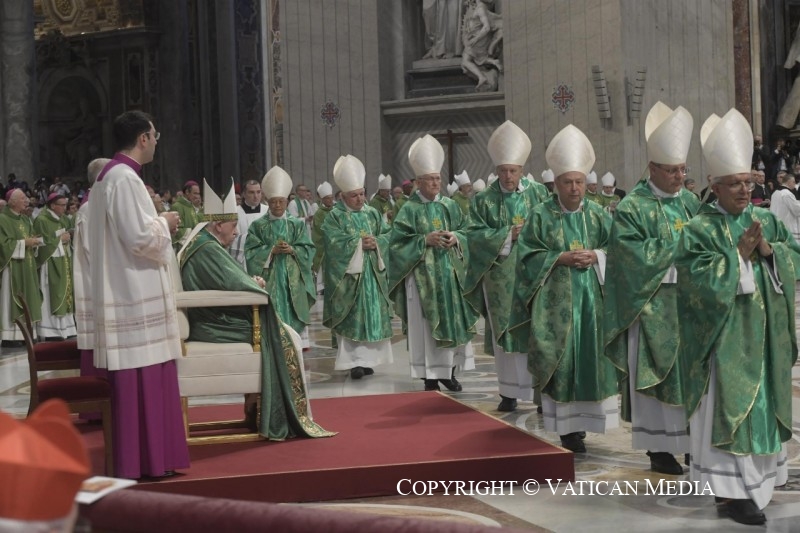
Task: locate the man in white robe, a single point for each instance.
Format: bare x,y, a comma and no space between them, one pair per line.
250,210
136,330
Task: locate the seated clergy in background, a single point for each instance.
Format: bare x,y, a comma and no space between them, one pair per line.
54,260
736,303
206,265
279,248
558,298
427,274
496,219
357,305
189,207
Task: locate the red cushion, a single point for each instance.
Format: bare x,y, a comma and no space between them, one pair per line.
47,352
74,389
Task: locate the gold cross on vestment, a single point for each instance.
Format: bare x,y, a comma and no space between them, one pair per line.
517,220
437,224
576,245
679,224
364,233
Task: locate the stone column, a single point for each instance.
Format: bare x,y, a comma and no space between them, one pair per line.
18,83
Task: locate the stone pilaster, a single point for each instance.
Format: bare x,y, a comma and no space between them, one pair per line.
17,75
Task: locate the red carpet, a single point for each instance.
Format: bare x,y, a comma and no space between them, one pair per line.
382,439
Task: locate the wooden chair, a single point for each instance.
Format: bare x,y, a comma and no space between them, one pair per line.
68,346
83,394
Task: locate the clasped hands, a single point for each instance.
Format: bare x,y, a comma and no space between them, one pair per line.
282,247
751,240
368,242
577,258
173,220
441,239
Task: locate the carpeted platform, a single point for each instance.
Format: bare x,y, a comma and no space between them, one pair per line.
382,439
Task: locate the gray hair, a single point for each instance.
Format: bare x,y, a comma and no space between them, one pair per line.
94,168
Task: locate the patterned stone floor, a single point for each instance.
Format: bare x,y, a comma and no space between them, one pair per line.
609,458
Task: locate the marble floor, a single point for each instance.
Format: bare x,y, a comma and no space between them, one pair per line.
609,458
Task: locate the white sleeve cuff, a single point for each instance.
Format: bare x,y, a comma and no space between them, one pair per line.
506,249
747,283
671,276
600,266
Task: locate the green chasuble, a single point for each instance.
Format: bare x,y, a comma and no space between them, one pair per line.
382,205
59,269
606,201
559,308
316,236
288,276
492,215
751,337
357,306
189,218
644,239
594,197
440,273
398,203
22,272
462,201
206,265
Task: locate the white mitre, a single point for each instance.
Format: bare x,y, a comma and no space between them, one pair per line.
548,176
452,188
491,179
608,179
385,182
349,173
215,208
509,145
591,178
325,189
728,146
479,185
426,156
462,179
668,134
276,183
570,151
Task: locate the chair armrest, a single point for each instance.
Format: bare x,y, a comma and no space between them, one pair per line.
186,299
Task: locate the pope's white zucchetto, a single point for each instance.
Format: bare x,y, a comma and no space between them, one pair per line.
570,151
349,173
325,189
426,156
727,144
668,133
509,145
276,183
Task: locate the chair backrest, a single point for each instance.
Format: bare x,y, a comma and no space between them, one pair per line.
26,312
33,368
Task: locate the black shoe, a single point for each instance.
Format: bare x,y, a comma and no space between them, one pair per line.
432,384
539,409
664,463
357,372
582,435
12,344
573,442
742,511
368,371
507,405
452,384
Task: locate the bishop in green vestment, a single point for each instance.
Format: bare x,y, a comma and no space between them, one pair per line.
738,264
427,273
357,306
279,248
558,300
496,218
382,204
189,209
641,315
325,192
206,265
18,243
54,260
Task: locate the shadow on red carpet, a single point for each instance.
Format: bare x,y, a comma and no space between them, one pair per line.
422,436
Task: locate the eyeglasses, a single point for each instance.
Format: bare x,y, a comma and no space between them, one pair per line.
675,171
745,185
156,136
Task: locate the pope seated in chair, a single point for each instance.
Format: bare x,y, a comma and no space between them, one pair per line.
205,264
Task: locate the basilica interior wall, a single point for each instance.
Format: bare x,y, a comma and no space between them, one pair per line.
330,54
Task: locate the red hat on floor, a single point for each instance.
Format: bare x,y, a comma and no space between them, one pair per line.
43,461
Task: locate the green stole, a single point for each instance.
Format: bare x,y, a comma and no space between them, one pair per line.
59,269
357,306
22,272
205,265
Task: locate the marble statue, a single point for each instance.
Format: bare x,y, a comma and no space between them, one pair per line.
482,34
442,20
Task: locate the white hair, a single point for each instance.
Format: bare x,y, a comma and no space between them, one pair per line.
94,168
